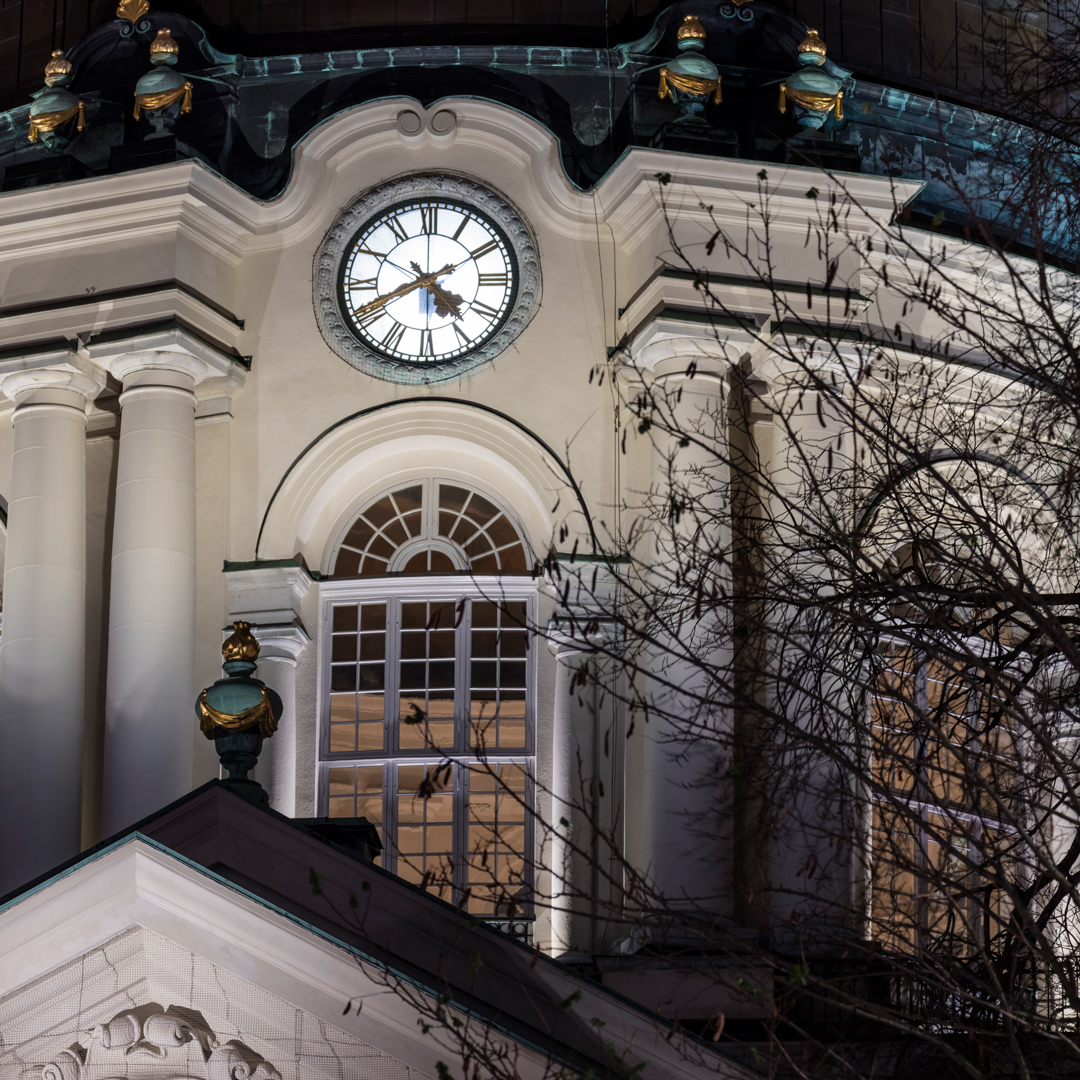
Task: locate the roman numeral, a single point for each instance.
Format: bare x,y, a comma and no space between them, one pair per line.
429,219
393,336
370,318
360,283
395,226
480,252
427,346
483,309
493,279
461,228
462,335
373,254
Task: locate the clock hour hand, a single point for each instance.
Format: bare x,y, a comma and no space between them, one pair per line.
446,303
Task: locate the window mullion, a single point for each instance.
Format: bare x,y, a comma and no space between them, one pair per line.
393,672
461,829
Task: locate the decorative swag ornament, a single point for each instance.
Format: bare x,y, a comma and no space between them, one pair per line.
163,99
688,84
50,121
809,100
260,715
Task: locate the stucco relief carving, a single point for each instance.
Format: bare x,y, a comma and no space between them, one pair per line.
151,1043
333,325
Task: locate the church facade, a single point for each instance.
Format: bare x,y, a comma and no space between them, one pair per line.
338,346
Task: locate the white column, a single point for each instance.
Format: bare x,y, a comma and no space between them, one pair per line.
279,648
150,690
42,661
687,840
572,772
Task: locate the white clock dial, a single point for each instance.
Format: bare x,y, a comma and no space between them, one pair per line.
428,280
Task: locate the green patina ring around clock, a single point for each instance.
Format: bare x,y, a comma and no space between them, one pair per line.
425,278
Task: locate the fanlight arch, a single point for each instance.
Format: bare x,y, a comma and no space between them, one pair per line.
431,525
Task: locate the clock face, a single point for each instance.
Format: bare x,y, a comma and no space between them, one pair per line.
428,280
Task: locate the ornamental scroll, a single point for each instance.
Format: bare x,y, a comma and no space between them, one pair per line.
52,120
688,84
808,99
163,99
261,715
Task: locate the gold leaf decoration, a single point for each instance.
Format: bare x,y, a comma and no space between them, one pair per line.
132,10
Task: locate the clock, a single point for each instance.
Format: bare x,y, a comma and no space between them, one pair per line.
426,278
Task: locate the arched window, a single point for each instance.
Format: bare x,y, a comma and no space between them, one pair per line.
431,527
945,760
427,716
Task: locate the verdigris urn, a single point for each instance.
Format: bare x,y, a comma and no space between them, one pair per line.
238,712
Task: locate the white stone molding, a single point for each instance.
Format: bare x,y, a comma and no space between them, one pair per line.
271,595
42,663
334,250
340,473
669,343
148,1043
418,128
59,369
97,314
174,349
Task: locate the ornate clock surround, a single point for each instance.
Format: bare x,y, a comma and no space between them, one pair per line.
336,328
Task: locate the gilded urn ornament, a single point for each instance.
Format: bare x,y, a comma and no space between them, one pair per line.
163,94
692,78
813,92
56,111
239,711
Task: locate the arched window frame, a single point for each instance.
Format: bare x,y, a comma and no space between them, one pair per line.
462,766
429,536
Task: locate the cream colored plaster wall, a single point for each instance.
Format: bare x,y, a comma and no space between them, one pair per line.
299,387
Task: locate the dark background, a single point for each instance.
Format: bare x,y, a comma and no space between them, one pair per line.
925,45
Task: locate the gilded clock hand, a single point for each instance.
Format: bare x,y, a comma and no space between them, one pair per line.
446,303
421,282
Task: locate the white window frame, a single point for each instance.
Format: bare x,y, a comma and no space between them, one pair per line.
394,591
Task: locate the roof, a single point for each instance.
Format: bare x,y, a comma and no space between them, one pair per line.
258,864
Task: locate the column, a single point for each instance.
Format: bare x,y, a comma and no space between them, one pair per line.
279,649
150,690
572,771
687,821
42,660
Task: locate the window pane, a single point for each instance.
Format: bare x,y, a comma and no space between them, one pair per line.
424,843
357,701
496,857
427,672
497,682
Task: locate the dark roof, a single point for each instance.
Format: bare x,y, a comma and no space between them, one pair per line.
424,942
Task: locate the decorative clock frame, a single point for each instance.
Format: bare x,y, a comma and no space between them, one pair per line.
335,326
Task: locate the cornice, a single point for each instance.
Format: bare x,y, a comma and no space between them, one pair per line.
724,190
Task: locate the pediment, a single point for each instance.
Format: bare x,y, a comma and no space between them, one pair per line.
141,1007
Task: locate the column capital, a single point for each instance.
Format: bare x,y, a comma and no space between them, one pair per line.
172,350
283,642
667,343
38,377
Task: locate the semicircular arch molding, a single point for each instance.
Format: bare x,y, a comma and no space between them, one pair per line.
351,463
972,493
